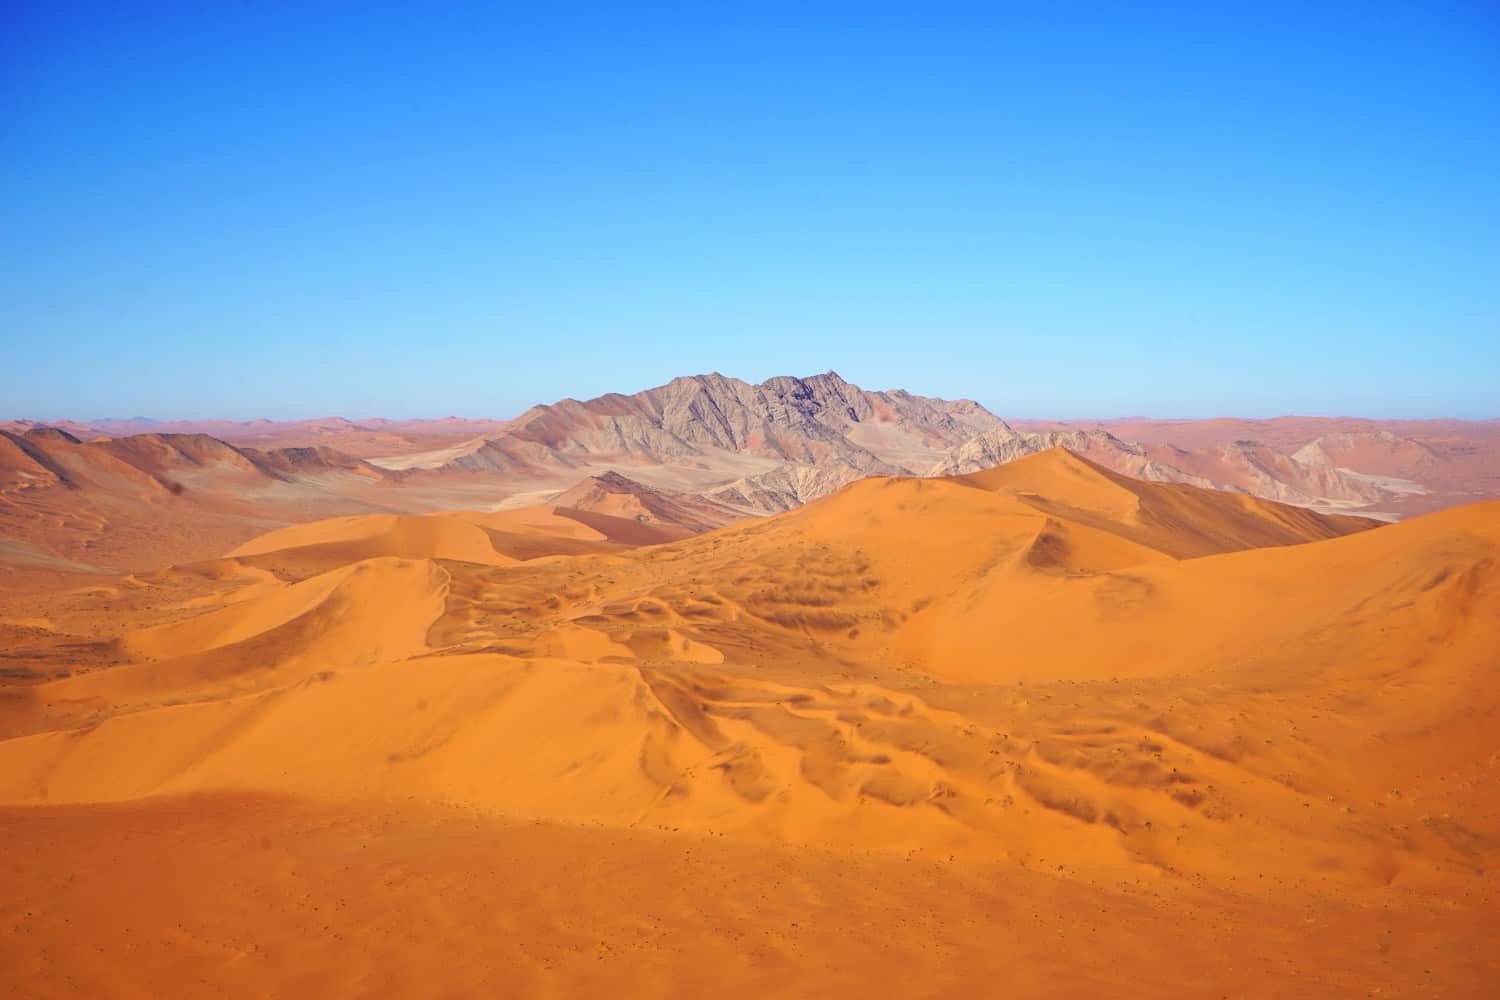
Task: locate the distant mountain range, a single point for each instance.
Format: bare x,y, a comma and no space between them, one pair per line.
694,453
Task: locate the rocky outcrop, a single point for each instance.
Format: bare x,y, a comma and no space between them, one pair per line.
797,421
786,486
1372,452
316,460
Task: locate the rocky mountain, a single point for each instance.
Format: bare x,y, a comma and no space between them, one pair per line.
1372,452
1260,470
787,486
1309,477
800,421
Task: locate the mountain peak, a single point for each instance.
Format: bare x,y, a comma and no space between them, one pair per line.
708,418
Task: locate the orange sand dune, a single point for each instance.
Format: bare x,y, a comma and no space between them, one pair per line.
1022,726
1182,521
350,538
492,539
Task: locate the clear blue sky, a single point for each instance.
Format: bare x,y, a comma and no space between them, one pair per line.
263,209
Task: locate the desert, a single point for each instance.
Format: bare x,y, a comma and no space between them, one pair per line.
912,735
833,501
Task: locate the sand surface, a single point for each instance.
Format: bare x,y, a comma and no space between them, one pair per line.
255,896
1041,731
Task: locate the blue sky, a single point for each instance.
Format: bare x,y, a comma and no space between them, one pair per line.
286,210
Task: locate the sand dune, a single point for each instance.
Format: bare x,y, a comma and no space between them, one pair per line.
1091,690
351,538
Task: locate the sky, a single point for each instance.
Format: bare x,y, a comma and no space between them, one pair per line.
287,210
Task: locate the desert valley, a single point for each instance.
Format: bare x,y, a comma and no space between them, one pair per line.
725,689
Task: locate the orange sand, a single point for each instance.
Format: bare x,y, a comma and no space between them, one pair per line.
1042,730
